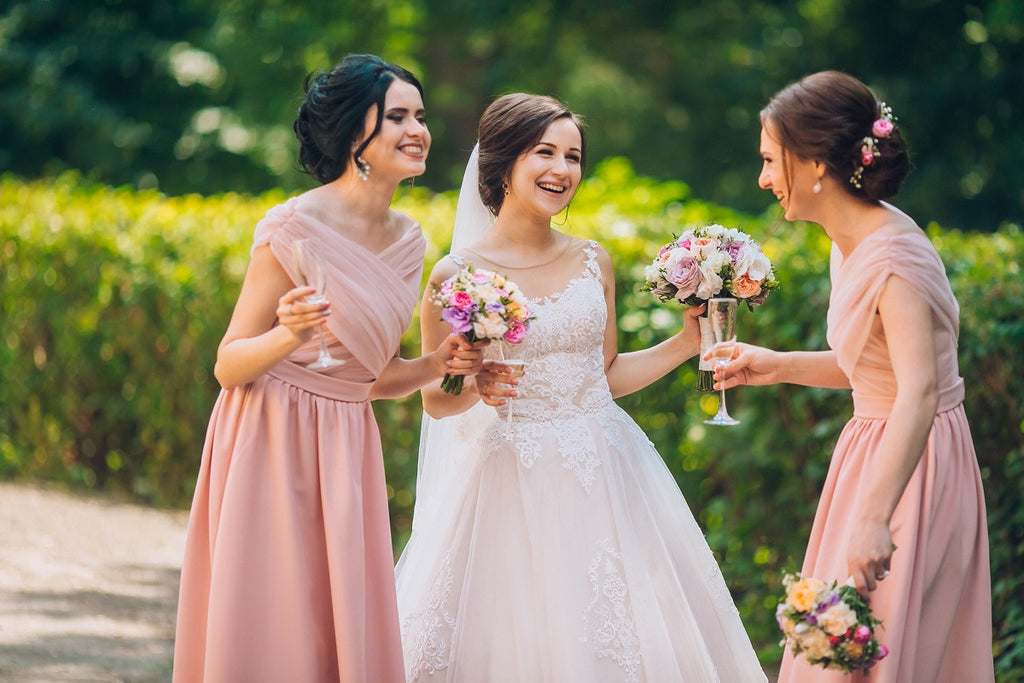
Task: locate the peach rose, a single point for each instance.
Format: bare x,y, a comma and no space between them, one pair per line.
804,593
744,288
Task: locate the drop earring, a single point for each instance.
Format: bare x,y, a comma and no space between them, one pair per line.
817,187
504,186
362,168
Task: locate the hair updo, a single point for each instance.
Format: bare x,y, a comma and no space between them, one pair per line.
825,117
510,126
332,116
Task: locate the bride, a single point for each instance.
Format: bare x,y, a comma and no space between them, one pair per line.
564,552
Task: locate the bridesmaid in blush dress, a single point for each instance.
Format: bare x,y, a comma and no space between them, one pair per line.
902,511
288,568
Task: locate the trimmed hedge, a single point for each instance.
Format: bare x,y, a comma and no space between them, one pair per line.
114,301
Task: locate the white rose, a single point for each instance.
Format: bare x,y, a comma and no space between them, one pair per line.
491,326
710,283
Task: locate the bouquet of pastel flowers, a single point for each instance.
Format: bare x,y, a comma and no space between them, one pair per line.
830,625
482,304
706,263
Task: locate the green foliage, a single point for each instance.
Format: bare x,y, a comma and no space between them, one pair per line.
676,86
114,303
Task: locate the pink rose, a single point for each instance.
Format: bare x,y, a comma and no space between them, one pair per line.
882,128
461,301
516,332
685,275
867,156
883,651
862,634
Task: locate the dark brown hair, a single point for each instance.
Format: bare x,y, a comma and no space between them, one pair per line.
510,126
333,113
825,117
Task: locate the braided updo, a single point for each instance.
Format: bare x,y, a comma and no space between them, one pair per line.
332,115
826,116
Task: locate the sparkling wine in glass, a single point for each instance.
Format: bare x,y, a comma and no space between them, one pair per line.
512,355
309,268
722,318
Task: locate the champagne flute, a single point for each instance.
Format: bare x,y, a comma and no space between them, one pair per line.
515,359
722,318
309,268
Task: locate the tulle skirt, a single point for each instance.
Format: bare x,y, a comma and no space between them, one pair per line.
569,554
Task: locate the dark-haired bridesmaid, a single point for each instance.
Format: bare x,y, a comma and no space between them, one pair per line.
902,511
288,572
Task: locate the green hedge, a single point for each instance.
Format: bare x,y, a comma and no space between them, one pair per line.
114,302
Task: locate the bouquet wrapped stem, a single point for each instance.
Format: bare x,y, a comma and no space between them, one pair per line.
705,376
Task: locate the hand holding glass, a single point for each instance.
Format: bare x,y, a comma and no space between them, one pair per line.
309,268
722,317
512,355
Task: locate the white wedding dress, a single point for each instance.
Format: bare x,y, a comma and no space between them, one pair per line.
568,553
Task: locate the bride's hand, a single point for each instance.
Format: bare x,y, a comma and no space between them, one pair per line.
754,365
458,356
493,383
691,326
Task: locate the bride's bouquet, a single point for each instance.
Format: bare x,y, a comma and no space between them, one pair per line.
482,304
829,625
707,263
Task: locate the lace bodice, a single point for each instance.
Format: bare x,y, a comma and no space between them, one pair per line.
564,351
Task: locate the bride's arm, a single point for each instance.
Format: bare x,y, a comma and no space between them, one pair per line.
629,372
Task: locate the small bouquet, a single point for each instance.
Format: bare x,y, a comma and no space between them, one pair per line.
482,305
829,625
706,263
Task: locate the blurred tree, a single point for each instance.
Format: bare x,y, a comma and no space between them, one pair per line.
199,96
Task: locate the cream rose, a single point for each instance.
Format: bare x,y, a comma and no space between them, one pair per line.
837,619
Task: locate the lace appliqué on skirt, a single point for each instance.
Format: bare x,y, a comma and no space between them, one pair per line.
608,624
432,651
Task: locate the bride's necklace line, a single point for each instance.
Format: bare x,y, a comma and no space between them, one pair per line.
557,256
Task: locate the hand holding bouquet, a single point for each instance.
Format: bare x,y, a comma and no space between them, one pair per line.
707,263
829,625
482,305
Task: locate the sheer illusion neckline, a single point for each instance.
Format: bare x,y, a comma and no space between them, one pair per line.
589,271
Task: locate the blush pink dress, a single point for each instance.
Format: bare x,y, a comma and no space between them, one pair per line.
936,604
289,570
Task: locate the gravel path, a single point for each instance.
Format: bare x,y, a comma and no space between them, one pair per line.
88,587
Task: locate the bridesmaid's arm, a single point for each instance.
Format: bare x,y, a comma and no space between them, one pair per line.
402,377
907,318
252,343
758,366
632,371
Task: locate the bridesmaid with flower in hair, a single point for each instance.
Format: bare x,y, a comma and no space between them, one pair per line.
902,511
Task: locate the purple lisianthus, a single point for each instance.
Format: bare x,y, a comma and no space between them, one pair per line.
459,319
733,249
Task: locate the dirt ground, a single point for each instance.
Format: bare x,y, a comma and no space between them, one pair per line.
88,587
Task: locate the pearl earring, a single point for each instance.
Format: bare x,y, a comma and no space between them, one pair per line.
817,187
362,169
